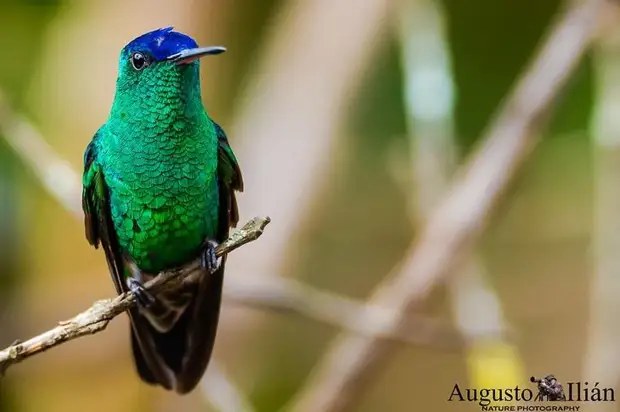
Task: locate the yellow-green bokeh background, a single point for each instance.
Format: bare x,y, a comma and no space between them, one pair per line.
58,66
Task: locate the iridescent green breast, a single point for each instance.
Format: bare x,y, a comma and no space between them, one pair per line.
163,194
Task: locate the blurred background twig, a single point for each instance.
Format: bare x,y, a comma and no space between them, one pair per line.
291,113
430,97
220,390
453,228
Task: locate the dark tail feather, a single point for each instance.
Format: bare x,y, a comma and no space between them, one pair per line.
142,365
206,314
186,349
149,364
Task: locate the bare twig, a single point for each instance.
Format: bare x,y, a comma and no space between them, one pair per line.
96,318
339,379
265,292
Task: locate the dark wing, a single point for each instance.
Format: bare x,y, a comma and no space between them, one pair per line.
100,231
202,325
97,221
230,177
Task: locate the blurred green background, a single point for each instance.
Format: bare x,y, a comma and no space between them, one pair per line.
313,97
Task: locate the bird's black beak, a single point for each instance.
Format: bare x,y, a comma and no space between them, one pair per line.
191,55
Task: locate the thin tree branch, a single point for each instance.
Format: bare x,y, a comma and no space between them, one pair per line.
339,380
265,293
96,318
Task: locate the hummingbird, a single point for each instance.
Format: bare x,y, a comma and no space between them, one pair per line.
159,187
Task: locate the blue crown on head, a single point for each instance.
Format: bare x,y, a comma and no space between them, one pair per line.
161,43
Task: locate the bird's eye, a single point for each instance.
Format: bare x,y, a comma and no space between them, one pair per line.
139,61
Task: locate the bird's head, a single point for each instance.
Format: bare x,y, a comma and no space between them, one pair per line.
161,63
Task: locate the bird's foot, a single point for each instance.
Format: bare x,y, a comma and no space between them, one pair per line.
143,296
208,258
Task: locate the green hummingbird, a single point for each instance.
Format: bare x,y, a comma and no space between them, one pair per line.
158,193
